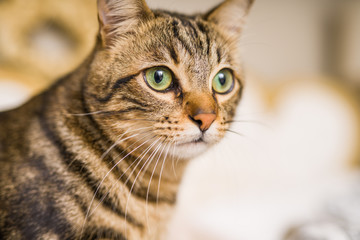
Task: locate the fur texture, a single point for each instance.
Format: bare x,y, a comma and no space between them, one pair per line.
94,156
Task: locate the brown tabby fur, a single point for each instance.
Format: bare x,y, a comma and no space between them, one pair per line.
93,156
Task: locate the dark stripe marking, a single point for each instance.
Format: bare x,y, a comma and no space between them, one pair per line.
79,168
134,101
218,54
122,81
205,31
173,54
119,112
116,85
35,215
186,23
132,109
175,25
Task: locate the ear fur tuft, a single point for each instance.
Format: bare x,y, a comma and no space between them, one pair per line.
117,17
230,16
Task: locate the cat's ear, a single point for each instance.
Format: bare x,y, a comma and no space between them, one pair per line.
230,16
118,17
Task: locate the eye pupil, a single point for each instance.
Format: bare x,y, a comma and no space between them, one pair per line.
222,79
223,82
158,76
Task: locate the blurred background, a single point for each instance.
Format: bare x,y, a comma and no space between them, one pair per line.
294,164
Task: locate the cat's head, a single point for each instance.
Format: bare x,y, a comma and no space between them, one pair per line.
167,78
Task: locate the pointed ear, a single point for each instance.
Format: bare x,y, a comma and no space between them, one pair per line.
118,17
230,16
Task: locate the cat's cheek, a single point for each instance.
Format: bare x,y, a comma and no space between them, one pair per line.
214,134
190,133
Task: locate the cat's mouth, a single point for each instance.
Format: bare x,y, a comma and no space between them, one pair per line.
200,140
192,147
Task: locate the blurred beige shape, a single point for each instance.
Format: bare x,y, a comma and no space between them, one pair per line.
42,40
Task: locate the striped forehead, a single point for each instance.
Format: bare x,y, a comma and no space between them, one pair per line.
193,48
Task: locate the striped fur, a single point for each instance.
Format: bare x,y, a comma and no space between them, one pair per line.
93,157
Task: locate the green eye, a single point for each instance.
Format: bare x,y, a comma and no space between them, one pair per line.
158,78
223,82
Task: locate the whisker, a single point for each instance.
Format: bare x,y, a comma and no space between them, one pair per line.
173,159
109,113
245,121
86,114
152,155
239,134
106,152
116,142
119,140
141,157
97,189
178,157
244,136
162,168
149,160
148,189
128,199
249,121
124,151
112,185
172,155
138,159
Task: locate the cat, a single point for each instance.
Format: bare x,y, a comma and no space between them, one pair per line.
93,156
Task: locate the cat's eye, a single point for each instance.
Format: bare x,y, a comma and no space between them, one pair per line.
159,78
223,82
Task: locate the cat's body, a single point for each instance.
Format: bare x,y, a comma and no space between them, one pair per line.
94,156
46,187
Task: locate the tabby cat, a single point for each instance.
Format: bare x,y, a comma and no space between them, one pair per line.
100,154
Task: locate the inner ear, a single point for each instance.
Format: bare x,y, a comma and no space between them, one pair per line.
118,17
230,16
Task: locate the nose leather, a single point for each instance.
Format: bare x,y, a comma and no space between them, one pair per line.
201,109
205,120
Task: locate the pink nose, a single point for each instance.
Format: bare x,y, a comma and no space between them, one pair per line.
204,120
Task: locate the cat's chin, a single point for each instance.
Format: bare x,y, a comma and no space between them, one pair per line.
190,149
